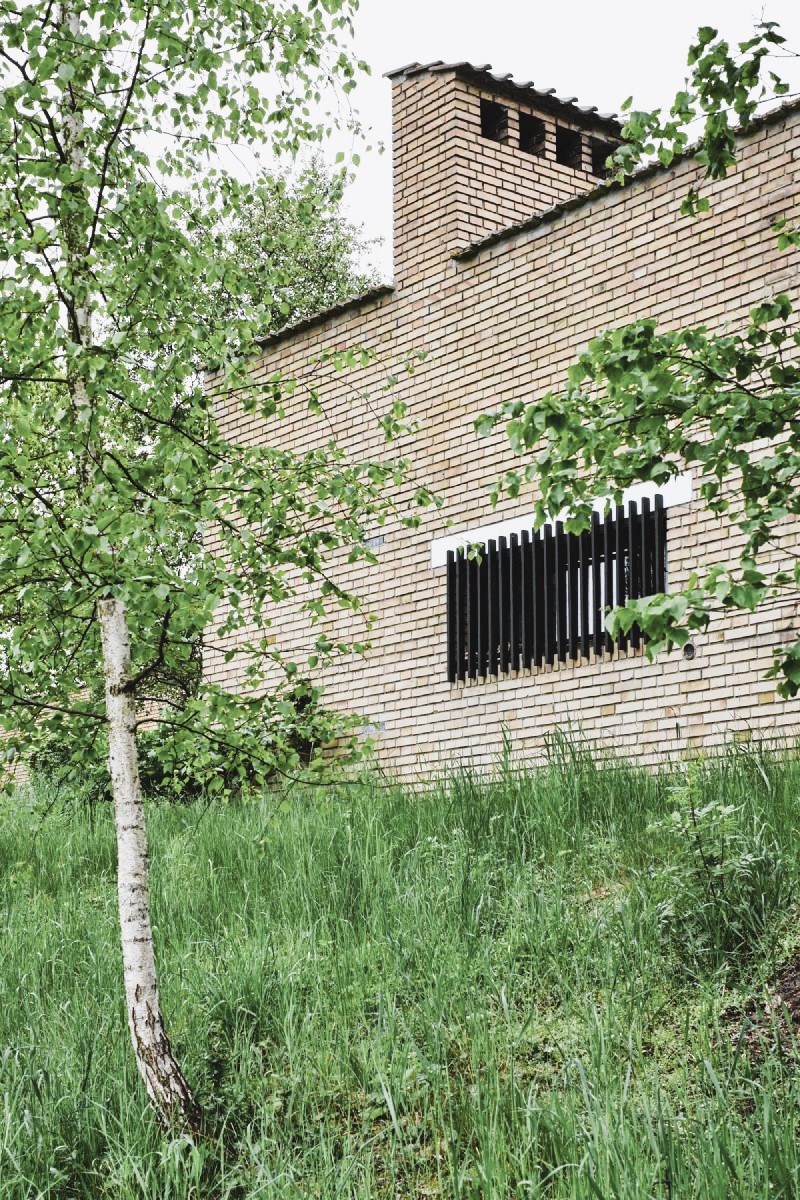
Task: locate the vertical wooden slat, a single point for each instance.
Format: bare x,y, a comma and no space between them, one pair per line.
609,538
471,567
468,616
514,613
483,615
572,544
561,592
548,594
645,547
619,564
493,611
633,553
452,656
503,602
634,568
526,598
538,576
598,638
660,581
461,608
584,559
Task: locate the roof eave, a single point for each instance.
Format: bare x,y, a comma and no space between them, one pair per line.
288,331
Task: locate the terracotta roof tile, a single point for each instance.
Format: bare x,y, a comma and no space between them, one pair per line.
483,75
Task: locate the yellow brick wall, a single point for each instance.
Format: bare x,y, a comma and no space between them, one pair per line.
505,324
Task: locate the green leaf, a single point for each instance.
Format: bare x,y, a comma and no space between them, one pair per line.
485,424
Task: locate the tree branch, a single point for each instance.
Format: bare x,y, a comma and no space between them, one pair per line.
124,109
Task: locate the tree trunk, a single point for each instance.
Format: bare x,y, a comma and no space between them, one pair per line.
164,1079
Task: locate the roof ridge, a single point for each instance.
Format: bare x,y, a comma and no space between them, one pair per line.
483,71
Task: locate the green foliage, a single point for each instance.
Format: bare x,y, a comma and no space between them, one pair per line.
725,88
112,466
458,992
297,252
643,403
726,884
177,765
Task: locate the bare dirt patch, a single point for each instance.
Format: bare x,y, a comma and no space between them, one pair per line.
769,1022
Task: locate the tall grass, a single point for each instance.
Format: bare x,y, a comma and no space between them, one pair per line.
509,987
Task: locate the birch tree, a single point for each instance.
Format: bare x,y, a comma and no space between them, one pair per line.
111,464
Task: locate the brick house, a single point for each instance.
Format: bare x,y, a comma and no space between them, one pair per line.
510,253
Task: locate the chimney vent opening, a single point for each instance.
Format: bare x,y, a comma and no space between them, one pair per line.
532,134
494,121
600,152
568,147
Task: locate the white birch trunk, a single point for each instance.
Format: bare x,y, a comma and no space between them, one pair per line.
79,316
163,1078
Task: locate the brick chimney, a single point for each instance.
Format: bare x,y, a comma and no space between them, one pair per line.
475,152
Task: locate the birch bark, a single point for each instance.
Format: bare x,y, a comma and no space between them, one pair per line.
157,1065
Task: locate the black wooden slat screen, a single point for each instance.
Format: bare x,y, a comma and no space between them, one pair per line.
541,597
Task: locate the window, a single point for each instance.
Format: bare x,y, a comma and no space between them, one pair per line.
536,599
600,152
532,134
568,147
494,121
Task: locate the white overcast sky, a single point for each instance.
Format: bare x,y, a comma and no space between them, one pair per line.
599,52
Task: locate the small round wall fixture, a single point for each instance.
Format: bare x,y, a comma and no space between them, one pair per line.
689,651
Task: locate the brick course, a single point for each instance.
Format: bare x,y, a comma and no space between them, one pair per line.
503,322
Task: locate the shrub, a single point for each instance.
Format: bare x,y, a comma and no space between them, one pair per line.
174,764
725,881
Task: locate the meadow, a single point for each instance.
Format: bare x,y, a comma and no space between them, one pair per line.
554,982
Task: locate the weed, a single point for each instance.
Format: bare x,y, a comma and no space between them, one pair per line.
726,879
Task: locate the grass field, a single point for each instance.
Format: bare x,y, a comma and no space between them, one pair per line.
533,986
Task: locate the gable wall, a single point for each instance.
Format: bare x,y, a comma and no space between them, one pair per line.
505,325
499,184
